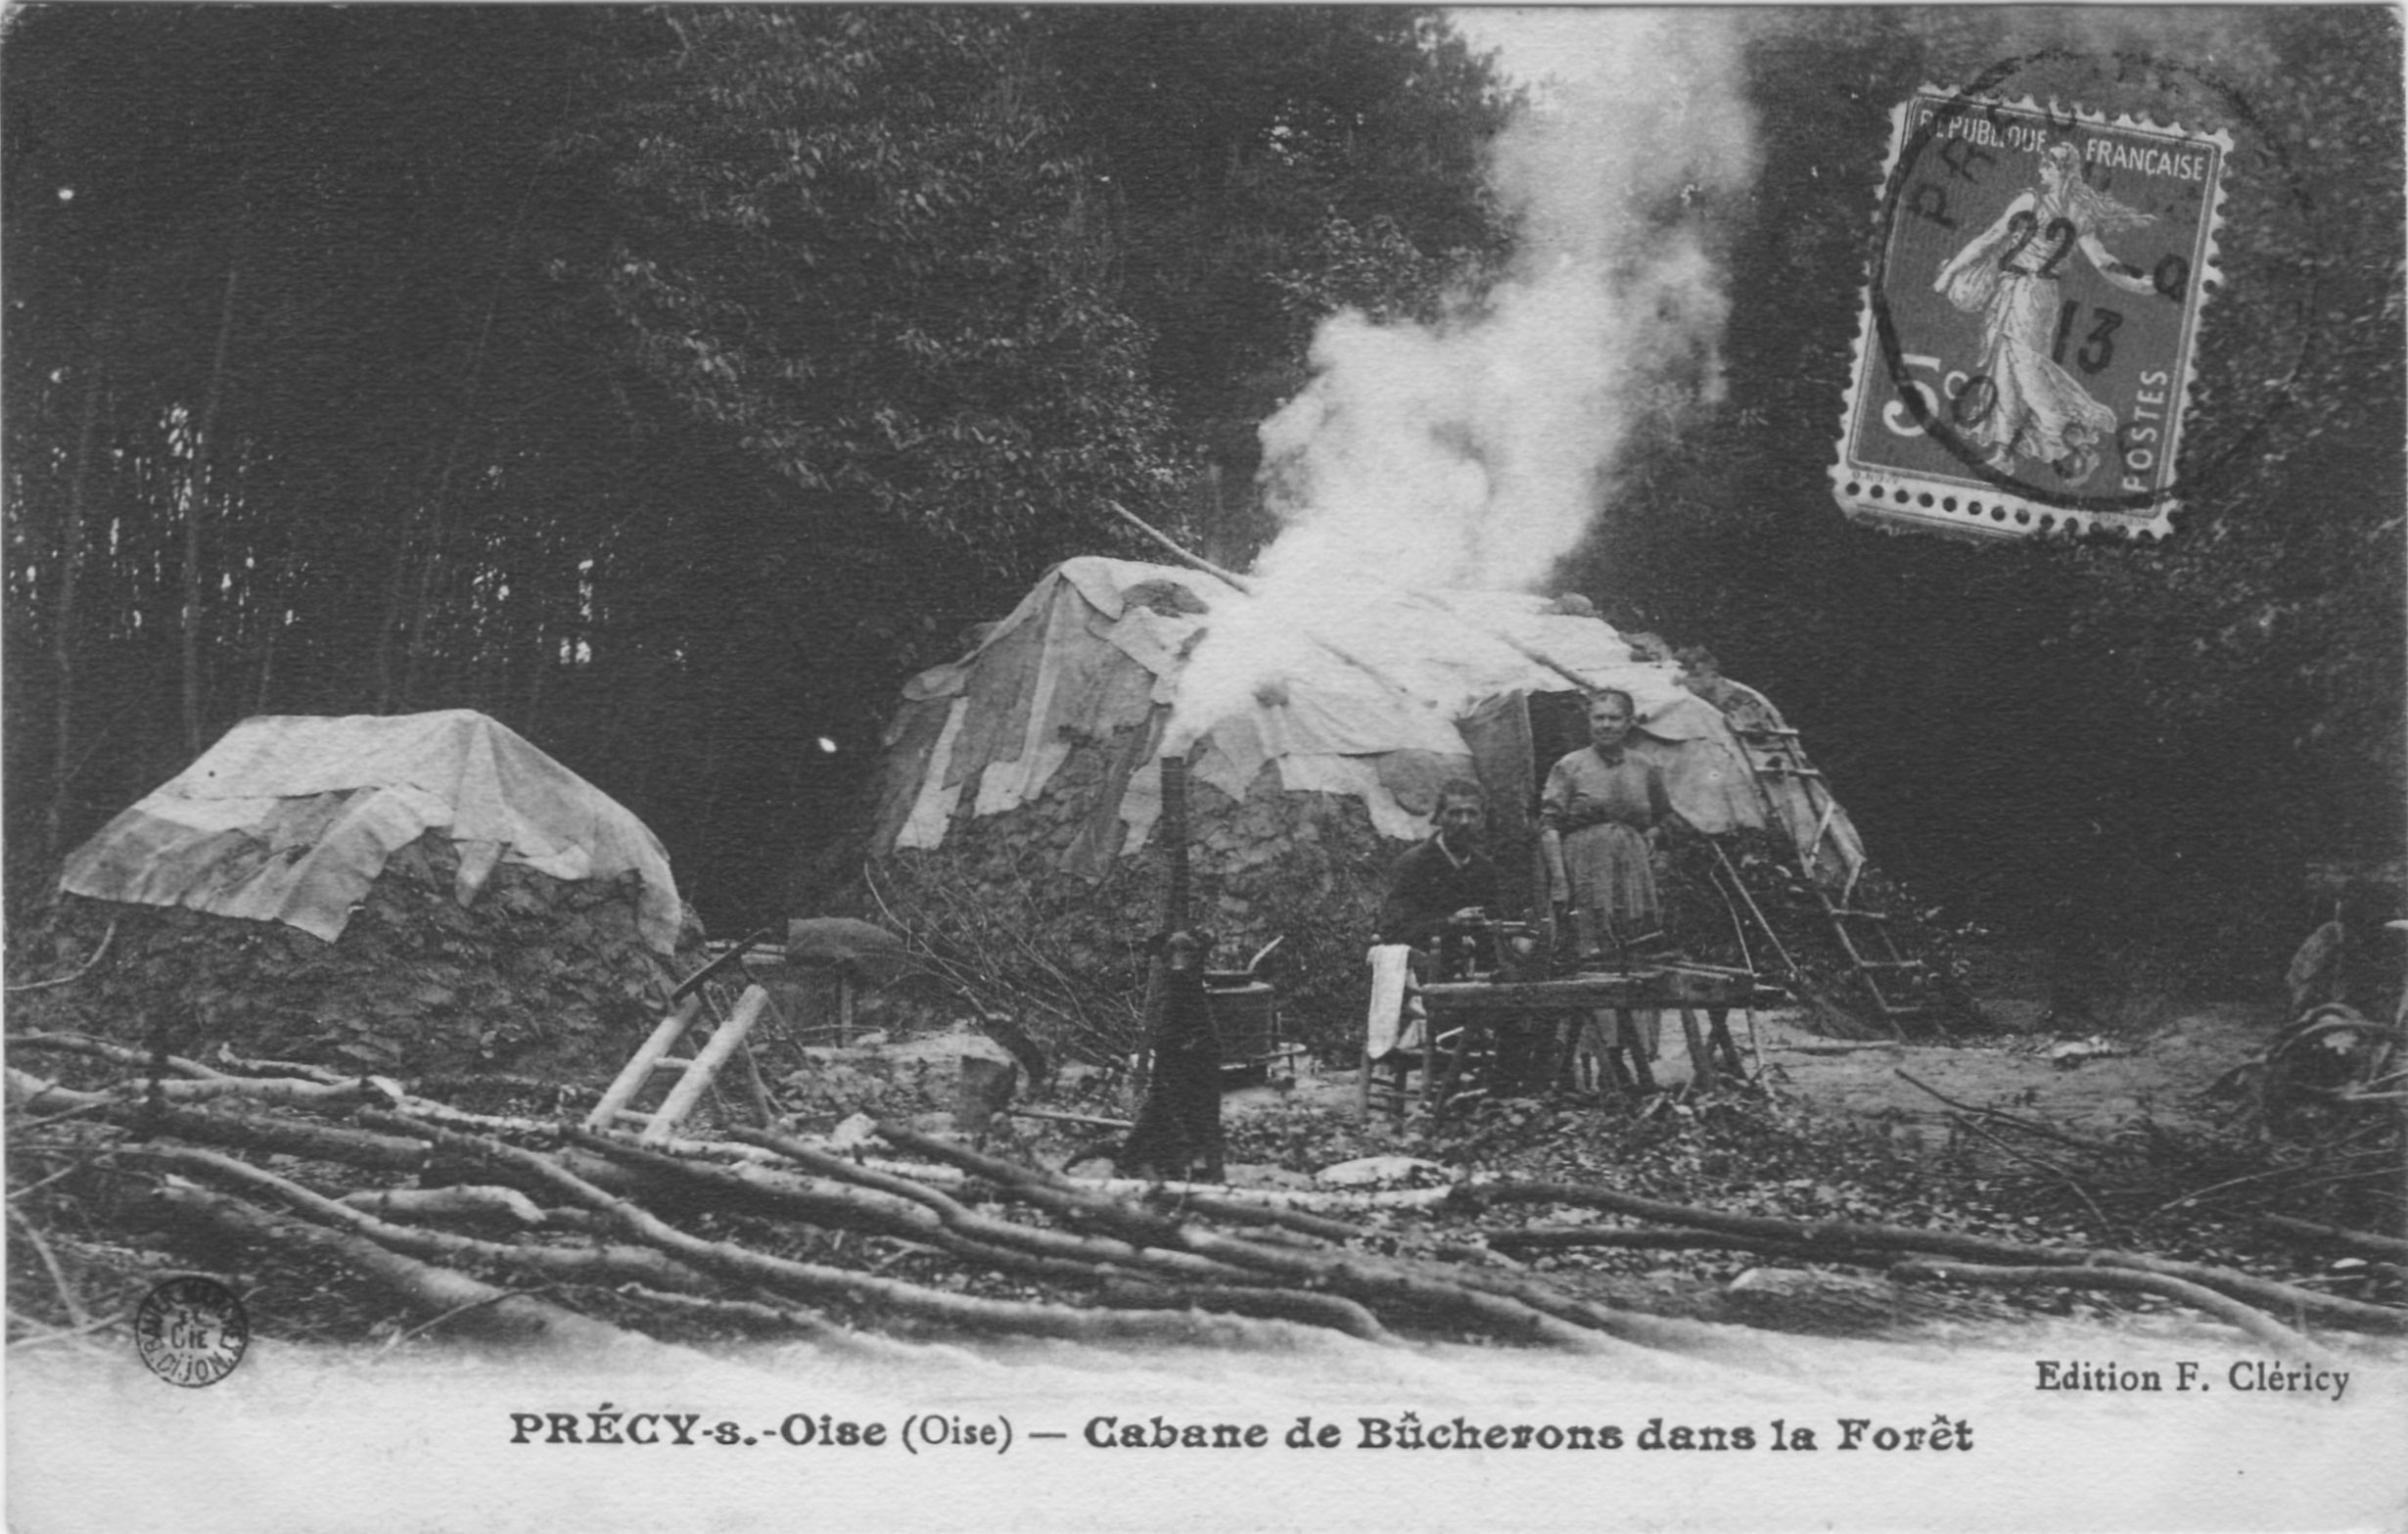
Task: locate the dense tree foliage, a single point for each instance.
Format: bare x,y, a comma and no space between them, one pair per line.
2111,743
669,383
1267,166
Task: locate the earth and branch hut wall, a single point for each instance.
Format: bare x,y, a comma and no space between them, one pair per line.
537,976
1066,953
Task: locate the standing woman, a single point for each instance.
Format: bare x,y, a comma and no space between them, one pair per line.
1598,820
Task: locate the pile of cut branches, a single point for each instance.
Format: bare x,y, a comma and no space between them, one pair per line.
431,1219
2346,1172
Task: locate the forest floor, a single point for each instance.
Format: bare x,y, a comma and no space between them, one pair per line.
2094,1089
2111,1141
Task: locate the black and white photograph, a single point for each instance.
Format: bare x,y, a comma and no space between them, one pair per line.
1191,766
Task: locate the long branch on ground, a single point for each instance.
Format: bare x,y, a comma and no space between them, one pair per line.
1551,1223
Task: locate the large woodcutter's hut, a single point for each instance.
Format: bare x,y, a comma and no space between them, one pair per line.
1020,778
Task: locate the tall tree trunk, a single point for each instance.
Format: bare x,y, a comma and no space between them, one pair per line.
63,640
267,664
192,516
416,653
451,459
395,586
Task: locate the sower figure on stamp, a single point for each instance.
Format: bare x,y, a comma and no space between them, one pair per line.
2020,401
1599,817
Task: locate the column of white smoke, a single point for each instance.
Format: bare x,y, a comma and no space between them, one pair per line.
1474,453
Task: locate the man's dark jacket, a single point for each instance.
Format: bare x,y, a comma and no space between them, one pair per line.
1429,886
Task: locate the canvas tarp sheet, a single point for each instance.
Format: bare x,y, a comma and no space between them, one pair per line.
290,818
1360,698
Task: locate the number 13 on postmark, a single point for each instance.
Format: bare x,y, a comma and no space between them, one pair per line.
2031,320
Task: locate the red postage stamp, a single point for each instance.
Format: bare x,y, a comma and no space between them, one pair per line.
2031,319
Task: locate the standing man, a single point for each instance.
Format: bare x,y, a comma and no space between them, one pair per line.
1448,878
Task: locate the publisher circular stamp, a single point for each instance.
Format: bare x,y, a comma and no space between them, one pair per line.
191,1331
2031,325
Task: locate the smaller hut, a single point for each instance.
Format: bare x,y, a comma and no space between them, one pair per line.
411,894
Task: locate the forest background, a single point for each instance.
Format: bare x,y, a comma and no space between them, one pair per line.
672,383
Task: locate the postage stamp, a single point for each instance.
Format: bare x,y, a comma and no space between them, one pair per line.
2031,319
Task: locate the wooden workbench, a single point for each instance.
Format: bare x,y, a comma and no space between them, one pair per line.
1462,1012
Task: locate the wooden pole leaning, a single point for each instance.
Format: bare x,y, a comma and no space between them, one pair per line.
639,1068
724,1041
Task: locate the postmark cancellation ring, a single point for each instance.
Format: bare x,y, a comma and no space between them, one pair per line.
191,1331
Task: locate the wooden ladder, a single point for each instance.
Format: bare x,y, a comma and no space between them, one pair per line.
1897,985
695,1072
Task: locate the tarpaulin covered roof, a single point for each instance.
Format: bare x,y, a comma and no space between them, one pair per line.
1369,695
290,818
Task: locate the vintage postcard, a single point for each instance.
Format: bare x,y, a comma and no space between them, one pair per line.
912,768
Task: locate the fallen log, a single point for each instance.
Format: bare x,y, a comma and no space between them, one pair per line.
816,1283
1443,1300
351,1093
989,1234
2254,1321
1486,1307
1849,1305
243,1065
963,1160
278,1136
1575,1238
1234,1211
1833,1241
473,1308
312,1140
1048,1191
760,1143
2367,1243
607,1264
1332,1311
1530,1311
828,1164
765,1191
463,1201
114,1053
242,1131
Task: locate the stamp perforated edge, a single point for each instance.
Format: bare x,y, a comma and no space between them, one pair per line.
1985,511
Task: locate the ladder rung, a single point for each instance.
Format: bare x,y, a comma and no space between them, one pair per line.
639,1115
1783,770
1861,915
673,1062
1891,963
